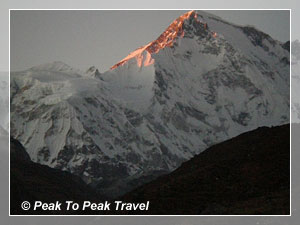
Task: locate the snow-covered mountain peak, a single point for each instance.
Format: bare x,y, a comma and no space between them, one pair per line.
203,25
204,80
186,24
56,66
92,72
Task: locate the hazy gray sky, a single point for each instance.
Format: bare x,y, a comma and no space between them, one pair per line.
102,38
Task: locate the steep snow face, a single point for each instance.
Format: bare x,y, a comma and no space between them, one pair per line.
201,82
220,80
131,85
295,81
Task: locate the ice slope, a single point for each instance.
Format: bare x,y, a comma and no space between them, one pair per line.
201,82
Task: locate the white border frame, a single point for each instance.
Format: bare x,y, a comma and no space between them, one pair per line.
187,9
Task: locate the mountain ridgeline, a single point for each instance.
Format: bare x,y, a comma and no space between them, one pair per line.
201,82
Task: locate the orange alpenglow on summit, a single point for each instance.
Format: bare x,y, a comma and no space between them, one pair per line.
166,39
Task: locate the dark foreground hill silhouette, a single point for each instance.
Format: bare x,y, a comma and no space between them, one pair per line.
248,174
35,182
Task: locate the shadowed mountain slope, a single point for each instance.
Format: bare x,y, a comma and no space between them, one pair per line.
248,174
35,182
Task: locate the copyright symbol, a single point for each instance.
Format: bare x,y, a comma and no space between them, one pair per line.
25,205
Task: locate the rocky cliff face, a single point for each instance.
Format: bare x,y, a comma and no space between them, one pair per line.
201,82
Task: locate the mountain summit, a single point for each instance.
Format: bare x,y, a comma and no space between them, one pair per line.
203,81
57,66
166,39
